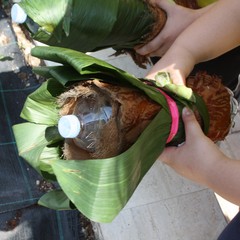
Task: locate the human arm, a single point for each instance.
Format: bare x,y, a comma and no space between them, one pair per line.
200,160
214,33
178,18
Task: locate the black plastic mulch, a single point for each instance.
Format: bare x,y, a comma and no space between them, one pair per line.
20,185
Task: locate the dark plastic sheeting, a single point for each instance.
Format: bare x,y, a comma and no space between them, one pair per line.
20,185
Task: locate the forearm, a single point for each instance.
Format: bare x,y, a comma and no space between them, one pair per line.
223,177
178,19
211,35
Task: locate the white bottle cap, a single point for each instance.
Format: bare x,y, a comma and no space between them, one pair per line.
69,126
17,13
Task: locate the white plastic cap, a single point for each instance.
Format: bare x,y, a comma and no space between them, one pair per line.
18,15
69,126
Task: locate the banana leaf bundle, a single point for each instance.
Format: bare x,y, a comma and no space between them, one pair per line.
90,25
100,187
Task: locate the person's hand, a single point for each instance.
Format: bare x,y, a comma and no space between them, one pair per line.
178,18
177,76
197,157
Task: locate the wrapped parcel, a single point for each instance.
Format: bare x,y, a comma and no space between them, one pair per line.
146,117
90,25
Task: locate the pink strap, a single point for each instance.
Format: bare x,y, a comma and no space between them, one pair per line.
174,114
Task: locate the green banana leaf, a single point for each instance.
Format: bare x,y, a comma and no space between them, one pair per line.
89,25
97,188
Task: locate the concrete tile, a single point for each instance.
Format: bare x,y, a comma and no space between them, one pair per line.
236,127
128,65
123,62
233,141
191,216
161,183
103,54
226,148
229,209
230,147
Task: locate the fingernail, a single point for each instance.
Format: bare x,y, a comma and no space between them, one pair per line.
187,112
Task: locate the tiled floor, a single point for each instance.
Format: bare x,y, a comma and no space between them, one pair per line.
165,206
230,146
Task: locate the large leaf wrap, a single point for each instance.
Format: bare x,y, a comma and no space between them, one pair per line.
88,25
98,188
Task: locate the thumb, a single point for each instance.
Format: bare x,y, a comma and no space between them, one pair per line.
192,131
191,125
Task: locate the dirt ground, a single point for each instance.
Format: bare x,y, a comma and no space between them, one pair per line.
25,44
23,38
